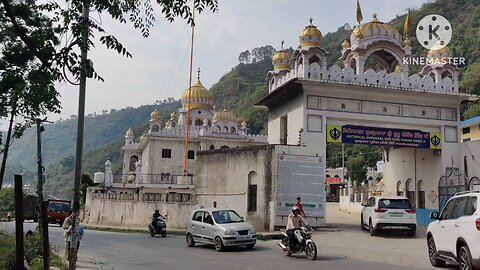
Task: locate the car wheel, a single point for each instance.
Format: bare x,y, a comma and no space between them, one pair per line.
250,246
411,233
218,243
190,241
432,253
465,259
373,231
361,224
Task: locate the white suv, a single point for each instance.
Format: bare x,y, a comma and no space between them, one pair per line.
394,212
454,236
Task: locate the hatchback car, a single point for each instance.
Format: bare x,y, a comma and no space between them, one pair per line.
220,227
454,235
393,212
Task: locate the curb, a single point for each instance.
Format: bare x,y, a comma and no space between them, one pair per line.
131,230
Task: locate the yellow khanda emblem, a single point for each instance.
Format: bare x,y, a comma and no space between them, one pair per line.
435,140
334,134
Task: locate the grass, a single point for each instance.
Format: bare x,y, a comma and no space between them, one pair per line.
33,253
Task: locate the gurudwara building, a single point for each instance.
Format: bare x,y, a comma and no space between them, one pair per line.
414,118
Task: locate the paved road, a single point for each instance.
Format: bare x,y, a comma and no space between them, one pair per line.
126,251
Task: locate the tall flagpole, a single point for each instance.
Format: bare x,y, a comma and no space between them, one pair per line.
185,154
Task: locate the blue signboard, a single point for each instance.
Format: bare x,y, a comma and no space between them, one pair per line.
384,136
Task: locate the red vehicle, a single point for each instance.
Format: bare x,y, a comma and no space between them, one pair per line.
57,211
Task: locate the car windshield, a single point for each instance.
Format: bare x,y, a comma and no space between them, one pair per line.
226,216
394,204
59,207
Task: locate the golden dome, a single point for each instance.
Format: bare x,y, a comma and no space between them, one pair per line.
129,133
173,115
407,42
155,115
310,36
345,44
440,53
398,69
224,115
280,60
377,28
200,97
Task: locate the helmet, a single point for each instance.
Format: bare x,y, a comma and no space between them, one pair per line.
156,211
295,208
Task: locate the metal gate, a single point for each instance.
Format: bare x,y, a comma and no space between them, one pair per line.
449,185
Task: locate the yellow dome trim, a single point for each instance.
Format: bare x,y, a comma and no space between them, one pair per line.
155,115
173,115
225,115
199,97
280,60
440,53
129,132
310,36
376,28
345,44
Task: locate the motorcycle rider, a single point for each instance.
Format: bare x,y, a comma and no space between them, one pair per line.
154,218
295,222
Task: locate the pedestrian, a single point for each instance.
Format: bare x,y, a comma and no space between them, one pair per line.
214,204
77,235
299,205
9,216
66,225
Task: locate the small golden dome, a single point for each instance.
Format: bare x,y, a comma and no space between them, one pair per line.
200,97
377,28
173,115
155,115
345,44
407,42
398,69
129,133
441,53
225,115
280,60
310,36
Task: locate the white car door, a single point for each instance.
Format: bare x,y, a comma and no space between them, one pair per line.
369,210
458,219
444,227
196,224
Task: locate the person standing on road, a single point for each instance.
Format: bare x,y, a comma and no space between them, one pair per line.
66,225
9,216
300,207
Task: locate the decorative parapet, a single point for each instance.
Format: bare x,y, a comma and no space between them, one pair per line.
146,197
257,138
372,79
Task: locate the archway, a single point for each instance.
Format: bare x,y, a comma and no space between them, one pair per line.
133,162
474,183
410,190
421,194
252,192
399,188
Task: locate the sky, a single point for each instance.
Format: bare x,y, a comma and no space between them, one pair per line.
160,65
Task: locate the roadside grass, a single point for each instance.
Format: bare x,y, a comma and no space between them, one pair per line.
33,253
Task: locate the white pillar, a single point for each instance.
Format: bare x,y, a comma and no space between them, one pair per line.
108,173
138,173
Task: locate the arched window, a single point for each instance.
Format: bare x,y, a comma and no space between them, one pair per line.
233,130
155,128
328,175
314,59
370,178
133,161
421,194
219,129
224,147
410,190
173,123
399,188
212,147
225,129
474,183
252,192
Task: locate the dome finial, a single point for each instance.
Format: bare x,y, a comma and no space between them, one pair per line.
198,74
374,15
282,44
311,21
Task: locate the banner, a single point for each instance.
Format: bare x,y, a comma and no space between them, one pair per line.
384,136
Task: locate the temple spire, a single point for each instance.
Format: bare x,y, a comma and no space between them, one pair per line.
198,74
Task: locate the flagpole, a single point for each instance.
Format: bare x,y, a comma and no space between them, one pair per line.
185,154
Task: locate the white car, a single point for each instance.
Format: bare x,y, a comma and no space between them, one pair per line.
454,236
393,212
221,227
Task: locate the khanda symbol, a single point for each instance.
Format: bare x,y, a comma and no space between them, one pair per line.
335,133
435,140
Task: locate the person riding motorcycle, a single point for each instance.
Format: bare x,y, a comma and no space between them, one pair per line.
295,222
155,216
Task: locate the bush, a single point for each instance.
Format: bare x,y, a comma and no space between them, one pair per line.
33,253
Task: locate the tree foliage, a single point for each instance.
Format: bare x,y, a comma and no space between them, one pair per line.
357,169
472,110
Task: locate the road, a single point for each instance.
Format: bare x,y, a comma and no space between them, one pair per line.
336,250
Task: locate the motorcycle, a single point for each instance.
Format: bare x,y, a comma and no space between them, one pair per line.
303,243
158,226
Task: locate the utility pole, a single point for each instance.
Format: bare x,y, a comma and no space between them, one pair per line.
19,243
80,127
42,214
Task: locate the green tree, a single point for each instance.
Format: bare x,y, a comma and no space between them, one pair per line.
470,82
472,110
7,201
356,169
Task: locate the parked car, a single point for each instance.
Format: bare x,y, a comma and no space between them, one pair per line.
57,211
220,227
392,212
454,236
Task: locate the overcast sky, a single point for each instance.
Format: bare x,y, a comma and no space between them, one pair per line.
159,67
